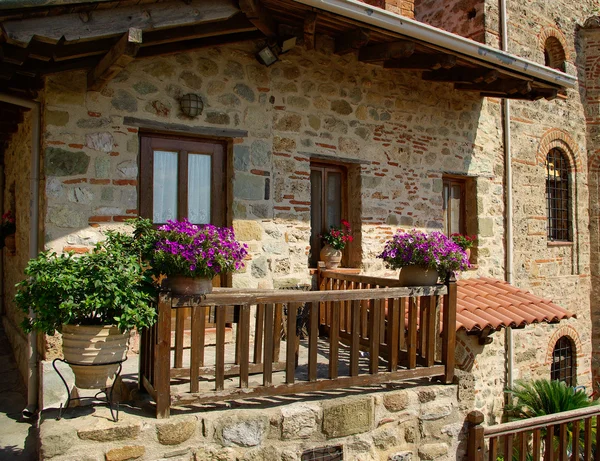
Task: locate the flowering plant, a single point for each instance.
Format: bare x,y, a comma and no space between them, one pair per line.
434,250
464,241
337,237
7,226
193,250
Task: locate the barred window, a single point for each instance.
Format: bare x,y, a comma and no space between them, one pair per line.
557,196
563,362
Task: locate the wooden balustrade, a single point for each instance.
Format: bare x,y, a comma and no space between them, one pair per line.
569,435
375,344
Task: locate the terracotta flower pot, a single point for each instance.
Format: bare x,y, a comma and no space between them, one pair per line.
188,286
411,276
331,257
84,345
10,243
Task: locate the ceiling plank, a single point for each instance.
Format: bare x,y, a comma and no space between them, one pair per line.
422,61
107,23
462,75
352,41
499,87
386,51
310,25
238,23
259,16
115,60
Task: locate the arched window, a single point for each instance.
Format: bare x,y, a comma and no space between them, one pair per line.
554,54
563,362
557,196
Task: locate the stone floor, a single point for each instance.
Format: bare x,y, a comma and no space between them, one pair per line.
18,439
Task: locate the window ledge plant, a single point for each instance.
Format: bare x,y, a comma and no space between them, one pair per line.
335,240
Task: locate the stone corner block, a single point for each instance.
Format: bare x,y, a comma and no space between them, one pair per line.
299,421
396,401
110,433
247,230
347,417
126,453
176,432
433,451
243,430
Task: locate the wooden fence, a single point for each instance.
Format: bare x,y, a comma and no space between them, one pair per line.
566,436
253,366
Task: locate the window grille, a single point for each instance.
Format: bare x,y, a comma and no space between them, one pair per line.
557,196
563,362
335,453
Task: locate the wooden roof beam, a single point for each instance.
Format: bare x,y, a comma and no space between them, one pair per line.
310,26
423,61
462,75
121,54
499,87
352,41
259,16
386,51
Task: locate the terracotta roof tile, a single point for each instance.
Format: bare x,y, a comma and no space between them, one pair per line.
490,303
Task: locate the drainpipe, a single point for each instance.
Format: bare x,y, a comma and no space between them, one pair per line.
34,187
509,199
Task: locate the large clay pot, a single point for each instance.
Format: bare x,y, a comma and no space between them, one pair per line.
411,276
331,257
189,286
94,344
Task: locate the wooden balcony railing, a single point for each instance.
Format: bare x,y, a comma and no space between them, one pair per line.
570,435
263,360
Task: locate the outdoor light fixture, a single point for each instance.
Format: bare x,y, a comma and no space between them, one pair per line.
267,56
191,105
287,43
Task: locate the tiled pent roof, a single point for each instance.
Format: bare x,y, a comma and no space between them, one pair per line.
490,303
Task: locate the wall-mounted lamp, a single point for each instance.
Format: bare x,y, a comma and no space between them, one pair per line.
270,52
191,105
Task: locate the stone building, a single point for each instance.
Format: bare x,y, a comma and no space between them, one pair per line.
408,112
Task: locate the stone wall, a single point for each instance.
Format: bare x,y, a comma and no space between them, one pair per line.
17,161
460,17
407,134
422,422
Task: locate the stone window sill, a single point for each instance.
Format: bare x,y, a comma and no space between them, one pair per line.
560,244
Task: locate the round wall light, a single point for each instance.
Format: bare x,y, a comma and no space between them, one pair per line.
191,105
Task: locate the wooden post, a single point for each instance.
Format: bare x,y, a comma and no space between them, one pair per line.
162,358
449,325
475,442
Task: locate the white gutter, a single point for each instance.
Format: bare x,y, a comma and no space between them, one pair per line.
509,201
32,352
428,34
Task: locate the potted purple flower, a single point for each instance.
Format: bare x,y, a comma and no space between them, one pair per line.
423,257
192,255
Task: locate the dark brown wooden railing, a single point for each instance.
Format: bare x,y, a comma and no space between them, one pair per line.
570,435
258,362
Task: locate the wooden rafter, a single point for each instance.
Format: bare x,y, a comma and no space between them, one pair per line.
499,87
386,51
310,25
352,41
423,61
462,75
115,60
259,16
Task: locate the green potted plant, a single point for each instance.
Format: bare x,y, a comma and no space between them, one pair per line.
94,300
423,257
335,240
192,255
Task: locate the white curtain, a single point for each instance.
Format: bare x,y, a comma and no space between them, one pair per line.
165,186
199,174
